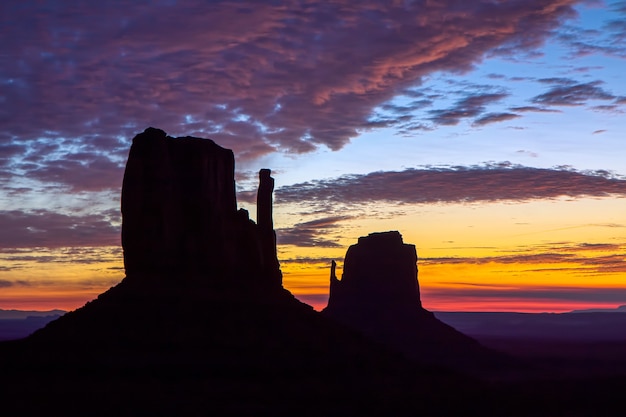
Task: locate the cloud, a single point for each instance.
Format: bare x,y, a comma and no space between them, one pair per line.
607,40
257,77
530,259
494,118
588,259
557,81
608,108
573,94
325,262
247,196
18,257
455,185
599,246
527,153
530,292
6,283
577,264
470,106
44,228
10,150
403,109
534,109
80,172
311,233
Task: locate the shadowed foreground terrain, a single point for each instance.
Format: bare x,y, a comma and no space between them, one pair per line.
201,324
580,343
221,350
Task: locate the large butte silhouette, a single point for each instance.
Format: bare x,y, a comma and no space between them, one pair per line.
201,324
379,296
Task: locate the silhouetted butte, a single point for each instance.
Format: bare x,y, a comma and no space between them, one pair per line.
379,296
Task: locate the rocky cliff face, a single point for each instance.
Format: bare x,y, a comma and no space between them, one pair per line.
378,295
180,215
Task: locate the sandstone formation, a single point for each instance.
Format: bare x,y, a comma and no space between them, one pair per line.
379,272
379,296
180,215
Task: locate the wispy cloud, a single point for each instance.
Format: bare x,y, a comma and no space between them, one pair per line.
43,228
494,118
568,93
468,107
86,255
607,40
578,259
325,262
311,233
522,109
528,292
455,185
6,283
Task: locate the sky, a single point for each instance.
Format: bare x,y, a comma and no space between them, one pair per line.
490,133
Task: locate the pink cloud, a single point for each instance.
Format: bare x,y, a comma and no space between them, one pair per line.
288,75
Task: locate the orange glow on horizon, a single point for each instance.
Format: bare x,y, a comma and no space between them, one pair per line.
525,257
49,301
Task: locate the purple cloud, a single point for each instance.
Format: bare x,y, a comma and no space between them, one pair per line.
311,233
256,77
572,94
607,40
80,172
470,106
43,228
494,118
6,283
577,264
534,109
455,185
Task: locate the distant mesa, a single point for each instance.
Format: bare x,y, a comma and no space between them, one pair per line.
16,324
24,314
379,296
619,309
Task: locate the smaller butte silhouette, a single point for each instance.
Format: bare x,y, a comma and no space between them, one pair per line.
379,296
